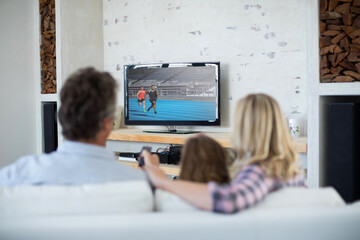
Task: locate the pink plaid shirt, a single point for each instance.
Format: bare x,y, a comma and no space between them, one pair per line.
247,189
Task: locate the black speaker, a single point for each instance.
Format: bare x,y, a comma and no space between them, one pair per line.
174,154
50,127
343,149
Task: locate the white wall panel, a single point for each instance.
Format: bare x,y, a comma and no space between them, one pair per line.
260,44
17,80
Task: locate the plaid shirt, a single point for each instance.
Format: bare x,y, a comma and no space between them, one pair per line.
247,189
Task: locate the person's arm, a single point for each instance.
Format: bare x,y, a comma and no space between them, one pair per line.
247,190
137,95
196,194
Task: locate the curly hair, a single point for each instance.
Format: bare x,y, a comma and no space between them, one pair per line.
87,97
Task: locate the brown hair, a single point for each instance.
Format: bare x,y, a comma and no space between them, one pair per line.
261,137
87,98
203,160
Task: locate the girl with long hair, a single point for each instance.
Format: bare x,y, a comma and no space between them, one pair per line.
203,160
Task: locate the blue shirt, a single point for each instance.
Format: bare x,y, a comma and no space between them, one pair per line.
73,163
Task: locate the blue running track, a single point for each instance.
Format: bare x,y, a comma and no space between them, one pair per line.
173,110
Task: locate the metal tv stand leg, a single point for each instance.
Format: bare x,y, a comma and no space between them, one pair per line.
172,129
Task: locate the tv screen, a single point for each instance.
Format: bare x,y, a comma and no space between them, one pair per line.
172,94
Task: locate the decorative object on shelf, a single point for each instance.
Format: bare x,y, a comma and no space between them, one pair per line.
339,41
48,46
295,122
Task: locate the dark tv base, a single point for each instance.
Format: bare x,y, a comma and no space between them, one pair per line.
173,132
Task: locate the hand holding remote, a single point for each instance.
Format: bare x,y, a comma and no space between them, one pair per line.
154,173
141,158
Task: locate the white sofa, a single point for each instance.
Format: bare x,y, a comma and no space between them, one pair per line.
128,210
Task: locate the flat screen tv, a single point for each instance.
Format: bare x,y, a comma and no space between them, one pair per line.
172,94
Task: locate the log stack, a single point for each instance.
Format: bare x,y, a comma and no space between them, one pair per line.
48,46
339,41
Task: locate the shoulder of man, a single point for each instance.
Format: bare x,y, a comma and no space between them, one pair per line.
19,171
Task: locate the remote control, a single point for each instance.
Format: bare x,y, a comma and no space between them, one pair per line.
140,158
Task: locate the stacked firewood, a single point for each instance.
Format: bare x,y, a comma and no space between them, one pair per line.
47,48
339,40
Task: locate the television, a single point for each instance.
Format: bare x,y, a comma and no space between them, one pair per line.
171,94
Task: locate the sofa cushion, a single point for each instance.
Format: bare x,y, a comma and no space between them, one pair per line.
326,223
110,198
283,198
355,204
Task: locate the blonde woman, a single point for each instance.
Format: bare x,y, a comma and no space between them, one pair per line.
266,161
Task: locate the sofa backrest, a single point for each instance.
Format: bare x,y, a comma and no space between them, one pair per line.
110,198
284,198
133,197
294,197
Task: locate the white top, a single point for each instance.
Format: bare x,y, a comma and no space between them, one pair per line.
73,163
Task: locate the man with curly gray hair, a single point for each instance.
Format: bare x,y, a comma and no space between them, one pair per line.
88,102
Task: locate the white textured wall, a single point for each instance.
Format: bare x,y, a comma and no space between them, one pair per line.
261,44
81,35
17,83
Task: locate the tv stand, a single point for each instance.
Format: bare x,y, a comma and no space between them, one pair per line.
172,130
125,136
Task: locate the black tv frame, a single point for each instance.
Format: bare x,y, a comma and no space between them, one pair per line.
169,123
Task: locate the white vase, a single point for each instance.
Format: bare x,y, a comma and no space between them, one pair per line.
294,123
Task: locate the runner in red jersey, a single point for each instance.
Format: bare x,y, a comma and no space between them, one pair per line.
141,97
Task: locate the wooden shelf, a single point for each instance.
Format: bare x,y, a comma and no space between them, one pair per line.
53,97
339,89
168,169
137,135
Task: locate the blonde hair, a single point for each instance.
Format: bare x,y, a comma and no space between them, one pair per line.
261,137
202,160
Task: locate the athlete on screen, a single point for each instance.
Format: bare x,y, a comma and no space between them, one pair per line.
153,94
141,97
